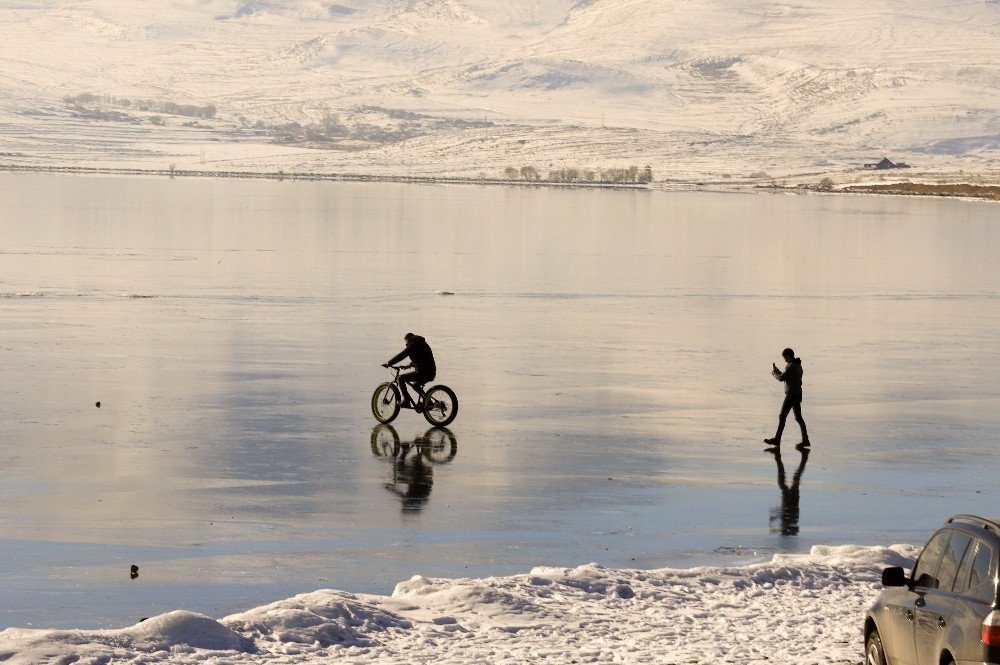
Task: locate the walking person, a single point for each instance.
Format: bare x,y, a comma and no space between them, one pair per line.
792,378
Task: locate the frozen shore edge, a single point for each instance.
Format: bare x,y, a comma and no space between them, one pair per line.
804,608
309,176
950,189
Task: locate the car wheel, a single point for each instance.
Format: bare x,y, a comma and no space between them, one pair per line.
874,652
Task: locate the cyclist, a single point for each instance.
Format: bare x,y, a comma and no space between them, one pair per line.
421,360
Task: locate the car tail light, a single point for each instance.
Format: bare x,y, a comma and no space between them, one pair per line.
991,629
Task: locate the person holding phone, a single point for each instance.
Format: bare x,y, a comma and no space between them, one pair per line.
791,376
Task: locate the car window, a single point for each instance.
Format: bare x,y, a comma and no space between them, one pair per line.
981,583
965,570
950,559
926,568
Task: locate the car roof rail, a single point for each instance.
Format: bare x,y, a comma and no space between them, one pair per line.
976,521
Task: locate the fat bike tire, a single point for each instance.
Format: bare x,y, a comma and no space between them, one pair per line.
385,403
440,406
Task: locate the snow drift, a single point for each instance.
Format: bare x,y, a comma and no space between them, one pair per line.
794,608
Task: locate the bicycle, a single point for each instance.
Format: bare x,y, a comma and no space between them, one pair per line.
438,404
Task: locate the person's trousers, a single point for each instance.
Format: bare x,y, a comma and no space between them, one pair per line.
415,378
793,403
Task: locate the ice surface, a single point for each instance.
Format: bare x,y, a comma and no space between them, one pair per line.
792,608
611,351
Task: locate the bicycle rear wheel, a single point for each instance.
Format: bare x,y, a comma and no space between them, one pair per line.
385,403
440,406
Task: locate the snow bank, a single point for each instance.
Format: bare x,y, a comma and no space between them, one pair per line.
794,608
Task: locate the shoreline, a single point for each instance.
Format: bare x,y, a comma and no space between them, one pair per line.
312,176
961,190
948,190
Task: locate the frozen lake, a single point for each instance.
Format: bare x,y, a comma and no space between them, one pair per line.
610,349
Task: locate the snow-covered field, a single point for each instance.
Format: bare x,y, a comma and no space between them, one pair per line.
717,91
793,609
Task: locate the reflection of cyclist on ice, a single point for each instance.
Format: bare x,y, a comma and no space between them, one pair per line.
421,361
412,479
413,462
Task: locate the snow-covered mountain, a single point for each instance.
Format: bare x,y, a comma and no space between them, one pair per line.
707,89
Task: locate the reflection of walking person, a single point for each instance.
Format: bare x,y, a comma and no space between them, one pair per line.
787,515
792,378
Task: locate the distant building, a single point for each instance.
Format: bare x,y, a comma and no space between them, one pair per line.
886,164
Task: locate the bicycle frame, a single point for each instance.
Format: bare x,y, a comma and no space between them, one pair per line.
421,393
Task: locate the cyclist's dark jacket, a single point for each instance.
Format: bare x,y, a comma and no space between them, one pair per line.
791,377
420,355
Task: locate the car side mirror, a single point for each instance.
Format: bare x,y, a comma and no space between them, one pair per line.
894,576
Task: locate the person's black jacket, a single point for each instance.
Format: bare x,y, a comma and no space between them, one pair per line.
420,355
792,376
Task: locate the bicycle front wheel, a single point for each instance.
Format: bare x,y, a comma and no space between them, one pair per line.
385,403
440,406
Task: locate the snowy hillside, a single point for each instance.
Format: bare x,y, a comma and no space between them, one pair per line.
794,609
711,90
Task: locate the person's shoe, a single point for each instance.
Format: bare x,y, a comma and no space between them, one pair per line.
773,442
804,443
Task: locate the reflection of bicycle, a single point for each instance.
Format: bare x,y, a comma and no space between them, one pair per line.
438,445
439,404
413,474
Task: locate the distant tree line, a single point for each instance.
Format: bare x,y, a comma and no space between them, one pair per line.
332,130
374,124
632,174
88,100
